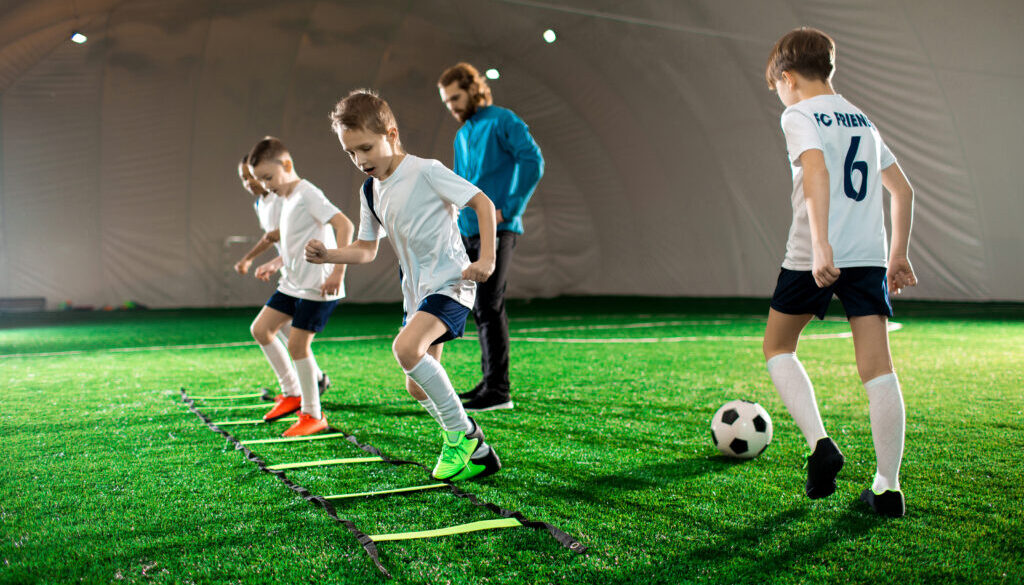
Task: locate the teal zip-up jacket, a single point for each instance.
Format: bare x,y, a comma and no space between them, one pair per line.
495,152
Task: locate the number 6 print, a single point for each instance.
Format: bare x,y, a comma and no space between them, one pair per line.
855,165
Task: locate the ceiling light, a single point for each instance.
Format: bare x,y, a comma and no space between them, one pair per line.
79,38
492,74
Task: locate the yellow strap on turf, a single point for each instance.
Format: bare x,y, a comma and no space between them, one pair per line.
461,528
255,421
238,407
292,439
382,492
324,462
227,397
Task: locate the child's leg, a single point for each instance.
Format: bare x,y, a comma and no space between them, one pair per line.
780,341
410,349
888,418
264,329
305,366
416,392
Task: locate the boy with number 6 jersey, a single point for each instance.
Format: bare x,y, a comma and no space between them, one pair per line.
837,246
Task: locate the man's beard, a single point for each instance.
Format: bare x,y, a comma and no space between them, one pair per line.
468,112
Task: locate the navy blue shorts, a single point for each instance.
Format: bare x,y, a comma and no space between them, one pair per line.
307,315
862,290
449,311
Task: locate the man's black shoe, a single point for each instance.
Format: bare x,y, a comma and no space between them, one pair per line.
822,467
471,394
489,399
888,503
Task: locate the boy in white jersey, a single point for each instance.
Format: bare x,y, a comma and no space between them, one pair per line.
267,206
306,294
415,202
837,245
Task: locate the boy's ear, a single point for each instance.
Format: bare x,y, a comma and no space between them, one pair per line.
788,78
392,134
287,164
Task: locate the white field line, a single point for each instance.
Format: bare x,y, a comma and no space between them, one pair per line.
893,326
186,346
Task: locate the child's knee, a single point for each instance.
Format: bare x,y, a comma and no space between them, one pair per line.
407,352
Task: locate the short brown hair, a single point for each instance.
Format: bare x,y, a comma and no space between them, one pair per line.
266,149
363,109
470,81
806,51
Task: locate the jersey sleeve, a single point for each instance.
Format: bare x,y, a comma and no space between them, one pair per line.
319,206
370,230
801,134
449,186
885,156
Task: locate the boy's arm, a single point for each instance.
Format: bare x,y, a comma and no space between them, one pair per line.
816,192
266,241
343,229
900,273
481,270
358,252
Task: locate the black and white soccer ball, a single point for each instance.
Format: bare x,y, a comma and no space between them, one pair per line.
741,429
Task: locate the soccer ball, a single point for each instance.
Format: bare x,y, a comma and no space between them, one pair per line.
741,429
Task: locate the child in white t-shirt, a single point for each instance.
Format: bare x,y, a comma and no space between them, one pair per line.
415,203
837,245
306,294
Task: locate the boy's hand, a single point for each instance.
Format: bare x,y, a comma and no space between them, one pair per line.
900,275
824,270
242,266
316,252
265,271
479,271
332,285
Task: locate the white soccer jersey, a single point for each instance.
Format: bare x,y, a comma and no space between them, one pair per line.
855,155
268,211
419,206
304,216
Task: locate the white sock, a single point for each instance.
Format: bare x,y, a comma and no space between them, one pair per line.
284,332
790,379
429,374
307,369
888,422
277,355
428,404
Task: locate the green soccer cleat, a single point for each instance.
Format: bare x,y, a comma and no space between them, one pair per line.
457,450
482,463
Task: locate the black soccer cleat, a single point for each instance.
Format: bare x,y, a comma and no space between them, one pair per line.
889,503
822,467
323,383
471,394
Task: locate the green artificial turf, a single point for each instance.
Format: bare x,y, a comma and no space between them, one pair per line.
106,476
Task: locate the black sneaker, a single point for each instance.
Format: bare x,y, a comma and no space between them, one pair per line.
470,395
822,467
323,383
489,399
888,503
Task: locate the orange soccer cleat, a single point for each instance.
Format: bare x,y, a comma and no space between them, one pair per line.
307,425
285,406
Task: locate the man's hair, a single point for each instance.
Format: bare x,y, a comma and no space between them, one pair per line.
266,149
244,161
363,109
470,81
806,51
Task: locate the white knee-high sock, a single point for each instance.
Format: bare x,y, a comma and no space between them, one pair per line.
307,370
429,406
790,379
429,374
888,427
277,355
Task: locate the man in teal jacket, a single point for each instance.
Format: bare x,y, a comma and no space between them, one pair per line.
495,152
